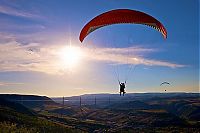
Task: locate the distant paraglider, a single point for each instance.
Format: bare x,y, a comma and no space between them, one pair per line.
121,16
164,83
30,51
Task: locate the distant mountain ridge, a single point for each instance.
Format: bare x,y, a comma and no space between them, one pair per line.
106,98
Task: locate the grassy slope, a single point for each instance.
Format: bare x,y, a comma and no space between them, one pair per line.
12,120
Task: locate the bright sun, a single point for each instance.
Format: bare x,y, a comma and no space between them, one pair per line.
70,56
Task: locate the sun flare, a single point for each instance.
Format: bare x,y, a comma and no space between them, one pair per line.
70,56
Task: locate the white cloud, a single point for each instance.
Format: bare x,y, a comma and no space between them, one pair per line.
32,57
46,58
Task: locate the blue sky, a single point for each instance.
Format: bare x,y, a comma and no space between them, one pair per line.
45,27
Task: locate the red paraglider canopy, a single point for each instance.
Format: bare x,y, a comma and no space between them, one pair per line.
121,16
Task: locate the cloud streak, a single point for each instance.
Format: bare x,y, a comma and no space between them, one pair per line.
10,83
16,12
129,55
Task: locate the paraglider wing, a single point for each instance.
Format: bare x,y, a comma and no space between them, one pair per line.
164,83
121,16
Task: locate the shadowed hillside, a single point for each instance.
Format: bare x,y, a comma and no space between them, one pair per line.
17,118
30,101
